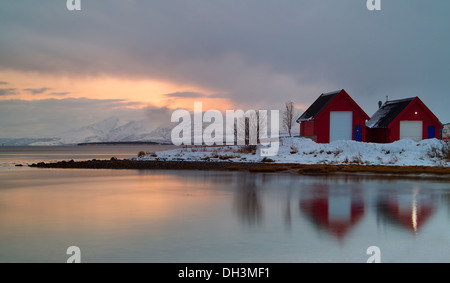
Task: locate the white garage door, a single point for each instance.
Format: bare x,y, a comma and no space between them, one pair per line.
341,125
411,130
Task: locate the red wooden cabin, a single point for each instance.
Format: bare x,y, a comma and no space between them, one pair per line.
334,116
401,119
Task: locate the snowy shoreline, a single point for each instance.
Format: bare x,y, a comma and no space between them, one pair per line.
297,150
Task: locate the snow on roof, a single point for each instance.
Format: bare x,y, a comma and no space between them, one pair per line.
318,106
331,93
388,112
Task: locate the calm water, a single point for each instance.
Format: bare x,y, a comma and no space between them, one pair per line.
197,216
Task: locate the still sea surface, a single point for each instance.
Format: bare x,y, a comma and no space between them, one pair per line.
211,217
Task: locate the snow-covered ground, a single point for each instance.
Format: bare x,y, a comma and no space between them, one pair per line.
305,151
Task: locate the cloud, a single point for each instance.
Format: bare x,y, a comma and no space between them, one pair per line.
35,91
60,93
3,83
159,115
186,95
52,117
253,52
8,91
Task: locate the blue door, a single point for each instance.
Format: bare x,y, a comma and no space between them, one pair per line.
431,132
358,133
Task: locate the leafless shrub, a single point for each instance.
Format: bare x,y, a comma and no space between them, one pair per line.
446,151
265,159
393,160
248,127
357,160
144,153
337,152
289,117
246,149
436,152
294,150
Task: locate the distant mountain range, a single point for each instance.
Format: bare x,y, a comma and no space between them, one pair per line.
106,131
109,130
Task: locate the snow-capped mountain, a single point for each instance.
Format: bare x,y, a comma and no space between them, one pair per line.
108,130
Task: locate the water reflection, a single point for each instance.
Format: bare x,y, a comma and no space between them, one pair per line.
247,203
336,205
198,216
336,210
408,208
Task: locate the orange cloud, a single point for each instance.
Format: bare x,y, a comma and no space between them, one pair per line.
36,86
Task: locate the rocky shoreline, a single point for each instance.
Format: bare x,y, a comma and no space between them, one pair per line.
143,165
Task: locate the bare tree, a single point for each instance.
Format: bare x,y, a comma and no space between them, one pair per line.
250,125
288,117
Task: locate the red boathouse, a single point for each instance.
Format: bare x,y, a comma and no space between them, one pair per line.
401,119
334,116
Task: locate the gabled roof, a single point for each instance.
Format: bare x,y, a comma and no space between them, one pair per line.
318,106
323,101
388,112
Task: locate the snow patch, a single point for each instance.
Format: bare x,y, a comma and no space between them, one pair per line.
305,151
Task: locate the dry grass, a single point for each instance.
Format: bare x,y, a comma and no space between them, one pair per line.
236,168
271,169
144,153
311,169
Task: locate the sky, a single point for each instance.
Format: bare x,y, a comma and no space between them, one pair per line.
142,59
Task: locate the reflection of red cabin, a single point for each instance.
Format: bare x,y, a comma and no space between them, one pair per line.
401,119
411,214
337,213
334,116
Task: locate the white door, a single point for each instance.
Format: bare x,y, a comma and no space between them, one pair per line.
411,130
341,125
